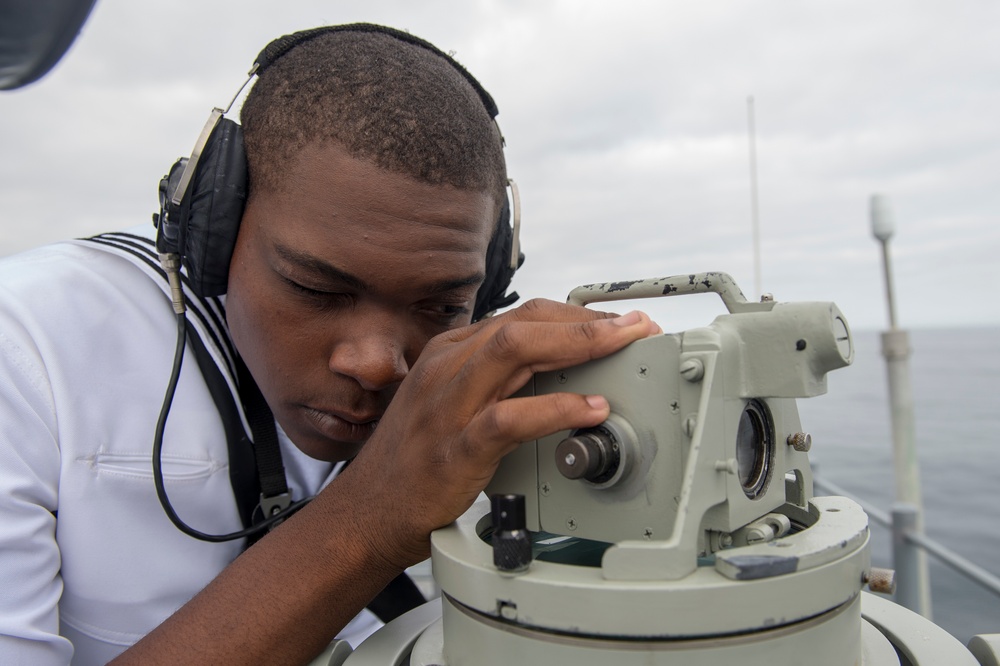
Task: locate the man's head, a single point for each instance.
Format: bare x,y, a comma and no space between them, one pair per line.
399,105
376,175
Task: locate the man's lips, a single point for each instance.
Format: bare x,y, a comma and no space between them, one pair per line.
342,427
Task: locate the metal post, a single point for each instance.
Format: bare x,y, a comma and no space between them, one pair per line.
755,214
906,556
896,351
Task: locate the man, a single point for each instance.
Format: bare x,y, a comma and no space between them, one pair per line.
375,182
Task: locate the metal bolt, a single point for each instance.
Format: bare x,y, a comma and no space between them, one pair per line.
880,580
800,441
546,488
561,377
693,369
508,611
647,533
729,465
726,540
570,459
571,523
690,423
643,371
766,298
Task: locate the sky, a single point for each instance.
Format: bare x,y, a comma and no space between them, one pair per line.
627,132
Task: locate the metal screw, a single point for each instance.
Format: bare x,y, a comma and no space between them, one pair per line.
647,533
546,488
729,466
508,611
643,371
766,298
561,377
675,407
692,370
571,523
570,459
800,441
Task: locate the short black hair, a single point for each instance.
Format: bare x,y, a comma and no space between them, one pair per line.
400,105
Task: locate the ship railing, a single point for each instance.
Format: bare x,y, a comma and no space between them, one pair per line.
907,541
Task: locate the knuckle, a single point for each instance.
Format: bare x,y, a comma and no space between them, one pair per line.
588,330
505,342
497,419
436,343
537,307
534,305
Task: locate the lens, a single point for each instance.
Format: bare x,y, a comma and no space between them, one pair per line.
754,448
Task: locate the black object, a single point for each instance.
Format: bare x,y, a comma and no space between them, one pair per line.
399,596
202,197
35,35
593,455
511,540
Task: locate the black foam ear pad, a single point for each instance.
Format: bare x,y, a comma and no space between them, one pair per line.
203,227
492,295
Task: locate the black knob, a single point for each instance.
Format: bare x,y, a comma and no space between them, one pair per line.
511,541
592,454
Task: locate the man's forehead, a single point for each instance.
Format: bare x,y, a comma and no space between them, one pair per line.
328,174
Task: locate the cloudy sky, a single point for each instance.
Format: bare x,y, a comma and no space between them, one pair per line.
626,127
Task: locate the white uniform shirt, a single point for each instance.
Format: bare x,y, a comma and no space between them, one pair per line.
89,562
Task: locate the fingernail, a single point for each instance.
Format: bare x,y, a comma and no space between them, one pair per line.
627,319
597,401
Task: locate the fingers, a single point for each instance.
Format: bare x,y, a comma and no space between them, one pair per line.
538,310
506,357
518,420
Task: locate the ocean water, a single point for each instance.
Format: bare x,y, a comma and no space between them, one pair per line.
955,378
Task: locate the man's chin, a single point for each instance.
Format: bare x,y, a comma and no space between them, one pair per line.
327,450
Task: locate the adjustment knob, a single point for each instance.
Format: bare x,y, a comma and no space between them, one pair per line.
511,541
593,455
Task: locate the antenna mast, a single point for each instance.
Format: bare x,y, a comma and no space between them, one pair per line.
753,198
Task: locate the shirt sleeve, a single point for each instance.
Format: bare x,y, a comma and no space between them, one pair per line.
29,478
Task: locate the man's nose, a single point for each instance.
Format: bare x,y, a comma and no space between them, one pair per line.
375,358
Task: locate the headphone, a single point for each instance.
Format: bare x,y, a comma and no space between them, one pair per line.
203,196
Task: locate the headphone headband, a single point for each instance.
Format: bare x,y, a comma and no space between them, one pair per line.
285,43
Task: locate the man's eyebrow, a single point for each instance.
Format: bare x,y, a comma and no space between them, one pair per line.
330,272
460,283
318,266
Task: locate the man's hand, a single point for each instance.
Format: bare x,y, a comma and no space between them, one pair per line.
453,417
436,448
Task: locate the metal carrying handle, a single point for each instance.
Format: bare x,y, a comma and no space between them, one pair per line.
676,285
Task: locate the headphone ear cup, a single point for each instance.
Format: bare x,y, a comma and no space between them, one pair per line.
492,295
214,207
168,220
